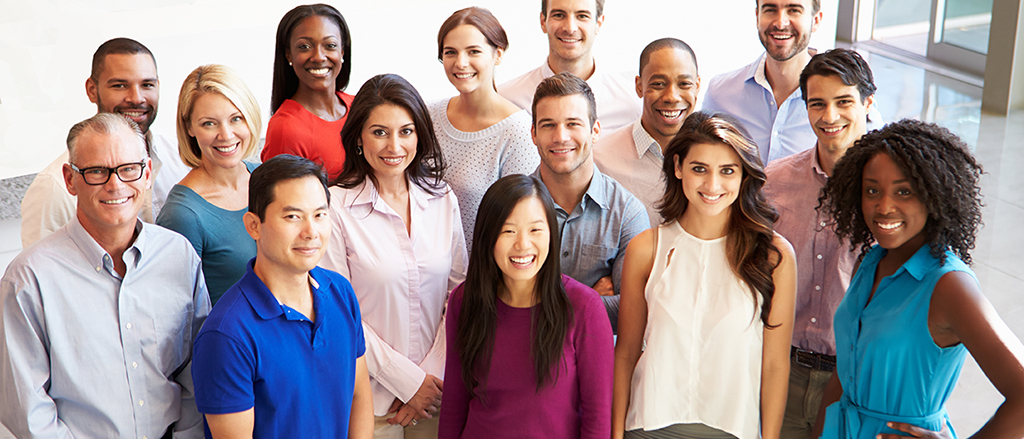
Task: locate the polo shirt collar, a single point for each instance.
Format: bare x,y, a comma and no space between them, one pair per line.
643,141
264,302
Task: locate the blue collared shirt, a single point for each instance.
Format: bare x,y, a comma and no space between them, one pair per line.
778,130
88,353
298,375
595,234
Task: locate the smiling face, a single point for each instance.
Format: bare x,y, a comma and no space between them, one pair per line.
892,210
315,52
114,206
389,141
785,27
836,112
469,59
127,85
563,134
522,245
571,26
219,129
295,230
711,174
668,86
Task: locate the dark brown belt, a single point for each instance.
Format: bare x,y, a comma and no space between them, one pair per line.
822,362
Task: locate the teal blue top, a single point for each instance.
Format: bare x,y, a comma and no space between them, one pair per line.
889,365
218,235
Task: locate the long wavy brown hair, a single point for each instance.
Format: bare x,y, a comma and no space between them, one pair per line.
749,240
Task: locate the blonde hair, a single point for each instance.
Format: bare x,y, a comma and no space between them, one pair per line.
215,78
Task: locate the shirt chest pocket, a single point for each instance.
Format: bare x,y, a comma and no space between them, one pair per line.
171,340
597,258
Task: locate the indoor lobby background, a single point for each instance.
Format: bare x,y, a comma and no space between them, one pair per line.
46,48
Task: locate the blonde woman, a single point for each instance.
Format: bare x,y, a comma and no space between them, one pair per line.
218,126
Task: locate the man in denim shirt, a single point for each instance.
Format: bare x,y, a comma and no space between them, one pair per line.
597,217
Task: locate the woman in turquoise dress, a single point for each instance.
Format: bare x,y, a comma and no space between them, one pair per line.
908,195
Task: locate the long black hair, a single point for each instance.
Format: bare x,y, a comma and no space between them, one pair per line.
285,81
478,319
426,168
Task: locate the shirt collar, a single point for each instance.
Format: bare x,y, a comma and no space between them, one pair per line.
366,194
263,301
94,253
596,191
756,73
547,72
645,142
921,263
816,163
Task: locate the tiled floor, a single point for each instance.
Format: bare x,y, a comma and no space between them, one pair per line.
906,91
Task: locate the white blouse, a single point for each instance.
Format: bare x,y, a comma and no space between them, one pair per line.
401,279
702,361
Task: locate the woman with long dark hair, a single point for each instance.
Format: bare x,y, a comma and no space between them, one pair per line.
708,297
397,236
908,196
529,350
312,64
483,135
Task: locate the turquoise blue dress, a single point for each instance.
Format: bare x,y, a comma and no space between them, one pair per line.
218,236
888,364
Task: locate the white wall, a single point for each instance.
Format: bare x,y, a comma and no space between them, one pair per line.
46,47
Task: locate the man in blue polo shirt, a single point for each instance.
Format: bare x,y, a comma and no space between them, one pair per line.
282,353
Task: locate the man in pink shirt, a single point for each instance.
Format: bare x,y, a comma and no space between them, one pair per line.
838,89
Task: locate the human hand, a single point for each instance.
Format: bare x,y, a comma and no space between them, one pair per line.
914,431
604,286
423,404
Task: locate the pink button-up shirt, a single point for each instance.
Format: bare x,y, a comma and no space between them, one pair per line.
402,280
824,263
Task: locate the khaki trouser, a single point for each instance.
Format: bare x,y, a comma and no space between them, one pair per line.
425,429
806,387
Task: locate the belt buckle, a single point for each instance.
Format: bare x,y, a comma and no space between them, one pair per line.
811,362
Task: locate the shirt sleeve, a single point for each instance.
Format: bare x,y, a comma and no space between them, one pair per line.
28,410
223,371
594,368
634,221
455,403
190,422
281,138
46,207
391,369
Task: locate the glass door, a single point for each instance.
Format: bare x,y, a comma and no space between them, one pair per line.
950,32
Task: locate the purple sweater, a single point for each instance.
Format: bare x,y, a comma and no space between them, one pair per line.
577,405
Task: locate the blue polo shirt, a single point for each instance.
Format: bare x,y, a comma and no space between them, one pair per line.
254,352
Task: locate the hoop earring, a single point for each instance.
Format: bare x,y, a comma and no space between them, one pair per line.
359,150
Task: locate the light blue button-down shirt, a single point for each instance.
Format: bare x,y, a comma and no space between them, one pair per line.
778,130
595,234
89,354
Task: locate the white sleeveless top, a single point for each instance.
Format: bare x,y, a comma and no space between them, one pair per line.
702,361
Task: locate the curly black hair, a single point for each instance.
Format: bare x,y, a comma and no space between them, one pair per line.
941,170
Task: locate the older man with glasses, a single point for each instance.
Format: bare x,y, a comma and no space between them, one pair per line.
98,317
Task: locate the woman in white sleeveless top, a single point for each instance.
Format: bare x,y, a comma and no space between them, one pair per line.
707,304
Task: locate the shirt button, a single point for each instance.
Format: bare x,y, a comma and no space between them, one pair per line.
135,365
128,326
814,320
817,288
142,403
565,254
819,256
822,224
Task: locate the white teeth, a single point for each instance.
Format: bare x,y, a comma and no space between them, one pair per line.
226,148
782,37
570,40
522,260
319,72
465,75
561,151
117,201
832,130
711,198
889,226
392,160
133,114
670,114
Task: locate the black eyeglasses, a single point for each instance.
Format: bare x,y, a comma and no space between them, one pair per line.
98,175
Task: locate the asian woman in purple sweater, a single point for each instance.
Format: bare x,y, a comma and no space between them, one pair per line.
529,350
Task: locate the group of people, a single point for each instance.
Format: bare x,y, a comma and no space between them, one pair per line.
490,265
